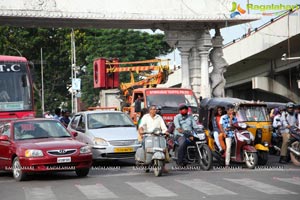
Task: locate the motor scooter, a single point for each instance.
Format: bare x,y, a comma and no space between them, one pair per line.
242,147
152,152
198,151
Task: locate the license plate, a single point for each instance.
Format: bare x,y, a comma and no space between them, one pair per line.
64,160
123,149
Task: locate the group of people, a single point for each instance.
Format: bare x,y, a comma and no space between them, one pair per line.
61,115
222,132
283,120
184,123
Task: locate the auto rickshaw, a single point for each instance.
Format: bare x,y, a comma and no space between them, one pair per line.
253,113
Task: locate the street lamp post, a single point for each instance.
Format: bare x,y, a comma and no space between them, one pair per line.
42,77
73,71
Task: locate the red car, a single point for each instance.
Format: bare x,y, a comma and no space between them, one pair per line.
39,145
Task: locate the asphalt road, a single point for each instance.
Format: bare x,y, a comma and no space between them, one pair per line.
122,180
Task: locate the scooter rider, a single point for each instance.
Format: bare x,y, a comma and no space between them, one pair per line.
151,121
227,121
288,120
183,122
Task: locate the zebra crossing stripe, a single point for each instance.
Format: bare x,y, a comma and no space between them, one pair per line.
37,193
97,191
151,189
7,181
295,180
259,186
205,187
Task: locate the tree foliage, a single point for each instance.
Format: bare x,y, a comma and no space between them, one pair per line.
127,45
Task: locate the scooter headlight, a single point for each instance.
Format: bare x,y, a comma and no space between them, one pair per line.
265,143
248,141
242,125
156,131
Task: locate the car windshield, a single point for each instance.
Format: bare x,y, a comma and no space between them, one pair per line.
103,120
252,113
39,129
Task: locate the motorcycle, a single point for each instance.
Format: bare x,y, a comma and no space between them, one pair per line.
198,151
294,145
152,152
242,149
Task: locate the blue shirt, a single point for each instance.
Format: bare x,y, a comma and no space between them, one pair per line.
225,122
187,123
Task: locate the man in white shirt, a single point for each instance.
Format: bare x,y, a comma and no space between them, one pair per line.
151,121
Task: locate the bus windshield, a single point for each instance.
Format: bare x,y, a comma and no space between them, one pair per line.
15,87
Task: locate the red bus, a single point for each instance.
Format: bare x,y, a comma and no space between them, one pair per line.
16,91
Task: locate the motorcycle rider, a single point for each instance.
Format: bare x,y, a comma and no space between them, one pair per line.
183,122
227,121
288,120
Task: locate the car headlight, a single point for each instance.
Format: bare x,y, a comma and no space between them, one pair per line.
33,153
136,142
85,149
100,142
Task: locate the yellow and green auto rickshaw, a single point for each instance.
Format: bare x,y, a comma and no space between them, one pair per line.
253,113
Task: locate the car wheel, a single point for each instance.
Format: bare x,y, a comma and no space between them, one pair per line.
18,174
82,172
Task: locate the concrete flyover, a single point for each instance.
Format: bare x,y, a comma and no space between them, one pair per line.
256,69
186,24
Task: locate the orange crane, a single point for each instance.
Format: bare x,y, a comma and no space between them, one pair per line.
157,69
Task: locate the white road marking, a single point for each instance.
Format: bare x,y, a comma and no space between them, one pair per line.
259,186
151,189
7,181
205,187
97,191
38,193
295,180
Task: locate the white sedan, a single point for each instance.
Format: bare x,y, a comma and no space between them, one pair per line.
112,134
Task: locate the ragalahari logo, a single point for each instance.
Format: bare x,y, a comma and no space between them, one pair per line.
236,10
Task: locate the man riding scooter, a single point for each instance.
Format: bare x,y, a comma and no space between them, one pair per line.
152,121
183,122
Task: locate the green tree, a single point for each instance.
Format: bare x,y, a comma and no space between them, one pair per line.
127,45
